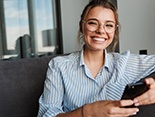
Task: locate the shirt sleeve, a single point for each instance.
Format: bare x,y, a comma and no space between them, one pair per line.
50,102
140,66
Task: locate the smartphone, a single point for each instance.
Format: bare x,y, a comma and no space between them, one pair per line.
133,90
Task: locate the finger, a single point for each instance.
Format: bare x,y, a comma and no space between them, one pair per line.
122,112
146,98
150,82
123,103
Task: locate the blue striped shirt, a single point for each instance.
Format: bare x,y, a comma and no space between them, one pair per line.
70,84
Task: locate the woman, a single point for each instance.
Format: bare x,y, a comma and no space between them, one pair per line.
90,82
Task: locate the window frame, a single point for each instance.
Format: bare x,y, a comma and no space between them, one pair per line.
31,21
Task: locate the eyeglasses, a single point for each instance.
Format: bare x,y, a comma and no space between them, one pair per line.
93,25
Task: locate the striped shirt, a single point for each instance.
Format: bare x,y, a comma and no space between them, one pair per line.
70,84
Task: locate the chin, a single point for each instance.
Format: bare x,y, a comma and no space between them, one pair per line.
98,49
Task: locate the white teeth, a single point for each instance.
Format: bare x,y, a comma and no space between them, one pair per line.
99,39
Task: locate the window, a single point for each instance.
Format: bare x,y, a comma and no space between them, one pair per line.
29,28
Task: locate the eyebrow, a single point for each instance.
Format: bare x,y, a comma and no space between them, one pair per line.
99,21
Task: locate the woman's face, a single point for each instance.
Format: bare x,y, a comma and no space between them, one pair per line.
98,39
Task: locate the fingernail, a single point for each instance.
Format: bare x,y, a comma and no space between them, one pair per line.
135,100
135,113
137,104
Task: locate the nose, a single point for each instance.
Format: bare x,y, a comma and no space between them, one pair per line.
101,29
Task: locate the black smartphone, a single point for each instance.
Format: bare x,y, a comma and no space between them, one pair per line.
133,90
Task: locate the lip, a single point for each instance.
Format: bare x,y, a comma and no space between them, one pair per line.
99,39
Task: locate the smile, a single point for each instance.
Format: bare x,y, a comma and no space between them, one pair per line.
99,39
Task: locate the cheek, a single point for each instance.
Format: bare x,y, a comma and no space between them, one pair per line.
86,34
111,36
85,31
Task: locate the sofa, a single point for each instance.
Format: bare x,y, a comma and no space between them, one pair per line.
21,84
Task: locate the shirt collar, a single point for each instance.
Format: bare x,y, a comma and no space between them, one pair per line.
108,60
81,58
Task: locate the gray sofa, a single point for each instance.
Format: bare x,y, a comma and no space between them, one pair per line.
21,84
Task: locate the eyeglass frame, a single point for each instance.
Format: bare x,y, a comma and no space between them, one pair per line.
100,23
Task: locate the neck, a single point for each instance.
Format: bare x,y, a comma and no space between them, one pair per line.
94,56
94,60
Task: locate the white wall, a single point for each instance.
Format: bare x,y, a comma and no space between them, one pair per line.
71,11
137,18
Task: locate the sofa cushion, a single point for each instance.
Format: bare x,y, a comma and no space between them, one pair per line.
21,84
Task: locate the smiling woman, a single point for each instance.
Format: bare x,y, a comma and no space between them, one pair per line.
90,82
36,18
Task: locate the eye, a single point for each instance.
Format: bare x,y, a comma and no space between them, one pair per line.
110,25
92,23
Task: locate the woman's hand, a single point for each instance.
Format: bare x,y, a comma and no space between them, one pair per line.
110,109
149,96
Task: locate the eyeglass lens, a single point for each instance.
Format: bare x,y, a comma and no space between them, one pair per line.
93,25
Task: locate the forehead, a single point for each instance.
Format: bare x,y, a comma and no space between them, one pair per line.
100,13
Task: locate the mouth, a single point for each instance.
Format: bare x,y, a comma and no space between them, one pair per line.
99,39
